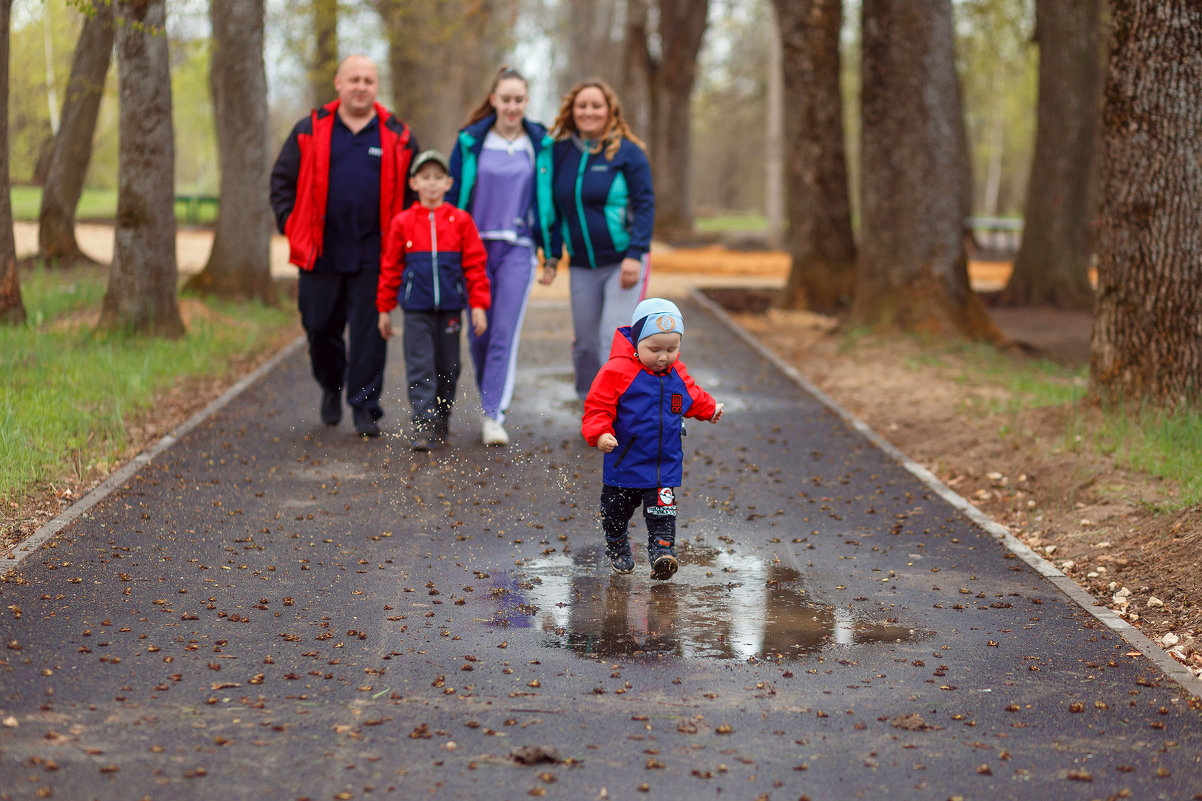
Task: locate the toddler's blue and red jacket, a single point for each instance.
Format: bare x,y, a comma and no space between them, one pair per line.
606,209
645,411
433,261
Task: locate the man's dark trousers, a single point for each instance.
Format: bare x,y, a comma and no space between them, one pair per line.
332,303
432,366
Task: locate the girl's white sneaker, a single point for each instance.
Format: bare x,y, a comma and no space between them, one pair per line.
492,432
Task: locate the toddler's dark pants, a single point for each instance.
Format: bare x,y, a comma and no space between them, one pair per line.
432,367
618,505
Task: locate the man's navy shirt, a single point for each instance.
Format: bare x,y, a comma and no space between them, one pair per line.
352,228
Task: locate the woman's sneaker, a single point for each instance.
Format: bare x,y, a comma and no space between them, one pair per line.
620,556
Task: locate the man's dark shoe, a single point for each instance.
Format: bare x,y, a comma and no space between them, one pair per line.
620,557
331,407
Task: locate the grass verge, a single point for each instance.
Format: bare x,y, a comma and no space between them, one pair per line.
69,395
101,204
1156,442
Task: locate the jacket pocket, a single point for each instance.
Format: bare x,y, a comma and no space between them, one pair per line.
625,450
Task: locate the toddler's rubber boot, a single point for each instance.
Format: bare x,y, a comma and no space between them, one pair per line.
620,556
662,554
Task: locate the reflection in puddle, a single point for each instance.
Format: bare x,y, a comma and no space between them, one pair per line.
719,606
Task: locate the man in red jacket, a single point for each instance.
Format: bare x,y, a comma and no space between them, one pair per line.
338,181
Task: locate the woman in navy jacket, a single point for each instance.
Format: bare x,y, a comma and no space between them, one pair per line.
605,207
501,164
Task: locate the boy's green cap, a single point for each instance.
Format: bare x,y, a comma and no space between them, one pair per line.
425,157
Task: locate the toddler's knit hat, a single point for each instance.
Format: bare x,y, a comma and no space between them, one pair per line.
655,316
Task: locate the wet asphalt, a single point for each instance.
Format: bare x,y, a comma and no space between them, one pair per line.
274,609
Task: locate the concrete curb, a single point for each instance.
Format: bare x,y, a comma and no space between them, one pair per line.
1134,637
130,468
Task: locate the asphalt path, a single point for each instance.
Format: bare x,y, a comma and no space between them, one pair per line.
274,609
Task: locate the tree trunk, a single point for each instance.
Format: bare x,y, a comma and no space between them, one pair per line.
141,295
819,207
681,28
774,155
1052,266
240,263
12,309
435,95
588,44
325,52
1147,337
73,144
636,67
912,272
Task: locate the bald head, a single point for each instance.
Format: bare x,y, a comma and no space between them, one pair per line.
357,83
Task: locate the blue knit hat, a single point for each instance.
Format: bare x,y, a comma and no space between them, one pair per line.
655,316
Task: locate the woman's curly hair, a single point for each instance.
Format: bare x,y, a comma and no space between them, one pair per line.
615,131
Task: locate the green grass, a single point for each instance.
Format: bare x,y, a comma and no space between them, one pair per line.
67,393
1163,444
1157,442
724,222
101,204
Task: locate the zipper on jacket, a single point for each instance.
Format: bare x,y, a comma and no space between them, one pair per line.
434,260
659,462
588,242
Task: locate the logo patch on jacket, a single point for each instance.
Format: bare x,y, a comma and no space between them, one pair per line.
677,402
378,152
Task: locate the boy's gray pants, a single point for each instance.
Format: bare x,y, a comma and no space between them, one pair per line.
432,367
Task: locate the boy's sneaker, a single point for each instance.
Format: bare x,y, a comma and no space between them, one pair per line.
425,442
492,432
663,559
620,557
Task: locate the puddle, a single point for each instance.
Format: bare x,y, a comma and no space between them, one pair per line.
719,606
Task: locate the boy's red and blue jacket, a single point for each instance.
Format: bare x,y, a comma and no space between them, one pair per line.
606,209
300,179
644,411
433,261
465,160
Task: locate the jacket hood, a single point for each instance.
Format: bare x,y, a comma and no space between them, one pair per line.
623,346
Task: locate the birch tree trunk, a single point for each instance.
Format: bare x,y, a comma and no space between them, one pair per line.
239,265
141,295
1147,338
912,272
